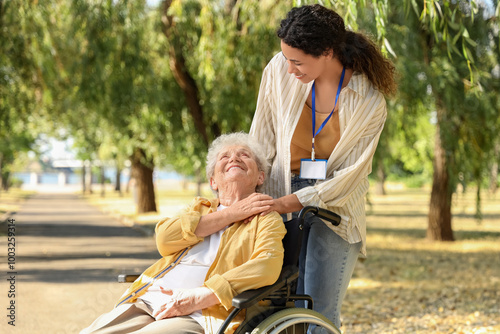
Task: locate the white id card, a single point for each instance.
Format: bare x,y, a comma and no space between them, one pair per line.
313,169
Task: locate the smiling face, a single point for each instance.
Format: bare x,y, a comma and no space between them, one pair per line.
236,165
305,67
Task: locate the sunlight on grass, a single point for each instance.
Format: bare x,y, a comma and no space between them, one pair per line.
408,209
407,284
12,200
399,242
364,283
169,202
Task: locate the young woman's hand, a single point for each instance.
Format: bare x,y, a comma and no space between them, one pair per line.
243,210
249,207
285,204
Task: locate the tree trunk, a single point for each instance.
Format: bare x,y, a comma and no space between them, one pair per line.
143,175
84,177
183,77
1,168
3,177
103,181
118,183
130,181
494,178
439,225
494,170
88,178
199,182
439,218
5,181
380,186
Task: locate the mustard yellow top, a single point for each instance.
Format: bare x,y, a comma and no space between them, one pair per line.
250,256
324,143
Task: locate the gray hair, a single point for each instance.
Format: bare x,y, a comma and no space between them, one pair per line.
239,139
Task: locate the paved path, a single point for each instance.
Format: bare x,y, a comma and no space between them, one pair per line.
68,255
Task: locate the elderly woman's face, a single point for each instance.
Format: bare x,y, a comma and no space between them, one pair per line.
236,163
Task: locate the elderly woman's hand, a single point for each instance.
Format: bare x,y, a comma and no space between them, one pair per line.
184,302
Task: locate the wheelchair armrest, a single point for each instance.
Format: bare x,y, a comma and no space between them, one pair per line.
126,278
251,297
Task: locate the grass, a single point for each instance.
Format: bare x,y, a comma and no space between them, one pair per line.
11,201
407,284
169,200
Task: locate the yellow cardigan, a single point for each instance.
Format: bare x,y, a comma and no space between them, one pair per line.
250,256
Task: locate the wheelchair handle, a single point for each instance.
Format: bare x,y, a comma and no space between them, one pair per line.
332,217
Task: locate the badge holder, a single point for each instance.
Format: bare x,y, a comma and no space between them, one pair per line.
313,169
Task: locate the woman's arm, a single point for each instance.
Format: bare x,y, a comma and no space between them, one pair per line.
285,204
239,211
263,122
262,268
200,220
175,234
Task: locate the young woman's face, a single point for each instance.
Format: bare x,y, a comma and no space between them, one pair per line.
305,67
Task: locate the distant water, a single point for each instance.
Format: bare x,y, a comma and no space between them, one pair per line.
49,178
72,178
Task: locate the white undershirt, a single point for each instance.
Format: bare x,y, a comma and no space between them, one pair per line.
189,273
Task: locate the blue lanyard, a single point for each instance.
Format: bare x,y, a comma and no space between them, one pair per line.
329,116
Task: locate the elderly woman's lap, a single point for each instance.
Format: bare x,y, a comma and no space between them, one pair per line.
136,319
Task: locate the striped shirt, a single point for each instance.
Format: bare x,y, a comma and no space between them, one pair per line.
362,114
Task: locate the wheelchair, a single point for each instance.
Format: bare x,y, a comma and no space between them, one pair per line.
271,309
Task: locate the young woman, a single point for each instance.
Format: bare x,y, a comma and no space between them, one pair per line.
320,113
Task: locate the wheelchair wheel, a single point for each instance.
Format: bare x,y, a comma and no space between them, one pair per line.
295,320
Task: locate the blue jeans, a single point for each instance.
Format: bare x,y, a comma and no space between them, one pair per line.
326,263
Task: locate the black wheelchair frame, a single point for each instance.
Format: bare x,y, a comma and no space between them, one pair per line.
271,309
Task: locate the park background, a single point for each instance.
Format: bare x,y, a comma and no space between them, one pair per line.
140,88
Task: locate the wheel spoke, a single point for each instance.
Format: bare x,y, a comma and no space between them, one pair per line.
292,320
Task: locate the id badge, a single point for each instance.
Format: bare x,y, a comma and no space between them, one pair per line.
313,169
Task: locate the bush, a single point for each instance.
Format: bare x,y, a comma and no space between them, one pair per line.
15,182
415,181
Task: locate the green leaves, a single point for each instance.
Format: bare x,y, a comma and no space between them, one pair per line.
102,71
447,21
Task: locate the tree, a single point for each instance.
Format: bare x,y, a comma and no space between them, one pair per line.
20,85
450,49
211,49
464,117
120,85
156,86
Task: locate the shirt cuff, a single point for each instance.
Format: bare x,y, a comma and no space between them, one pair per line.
309,196
189,223
222,289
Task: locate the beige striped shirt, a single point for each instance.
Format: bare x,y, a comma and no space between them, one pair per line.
362,114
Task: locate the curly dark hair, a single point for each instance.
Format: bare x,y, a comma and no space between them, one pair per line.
317,30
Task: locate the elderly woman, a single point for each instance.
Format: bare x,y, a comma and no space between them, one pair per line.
212,251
